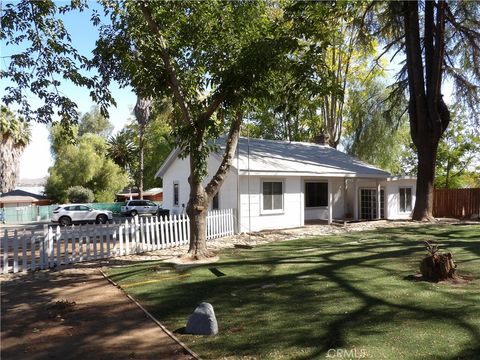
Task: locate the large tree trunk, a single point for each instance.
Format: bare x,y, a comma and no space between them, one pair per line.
200,196
426,151
428,114
197,209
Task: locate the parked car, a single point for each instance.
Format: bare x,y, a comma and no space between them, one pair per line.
138,207
79,213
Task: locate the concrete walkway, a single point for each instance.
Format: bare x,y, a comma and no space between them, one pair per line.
77,314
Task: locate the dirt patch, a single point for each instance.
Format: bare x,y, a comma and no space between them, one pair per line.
77,314
59,309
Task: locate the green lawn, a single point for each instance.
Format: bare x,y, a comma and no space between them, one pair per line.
299,299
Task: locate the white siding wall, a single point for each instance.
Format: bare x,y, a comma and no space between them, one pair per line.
179,171
291,216
338,198
391,187
392,194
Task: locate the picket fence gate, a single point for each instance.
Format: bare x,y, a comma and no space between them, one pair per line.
67,245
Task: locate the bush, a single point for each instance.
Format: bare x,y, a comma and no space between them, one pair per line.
79,194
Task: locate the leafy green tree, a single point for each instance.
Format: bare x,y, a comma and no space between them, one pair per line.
310,96
83,162
211,57
457,151
440,39
93,122
15,135
457,158
123,148
349,58
158,145
43,59
376,130
79,194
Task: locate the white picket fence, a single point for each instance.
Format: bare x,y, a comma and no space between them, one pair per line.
67,245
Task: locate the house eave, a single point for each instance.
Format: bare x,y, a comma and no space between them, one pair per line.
313,174
168,161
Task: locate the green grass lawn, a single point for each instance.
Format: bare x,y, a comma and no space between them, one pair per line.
299,299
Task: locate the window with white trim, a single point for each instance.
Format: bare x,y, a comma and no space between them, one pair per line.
272,193
405,199
175,194
316,194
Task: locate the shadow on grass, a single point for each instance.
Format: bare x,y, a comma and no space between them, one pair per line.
321,294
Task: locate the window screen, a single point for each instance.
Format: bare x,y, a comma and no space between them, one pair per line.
272,195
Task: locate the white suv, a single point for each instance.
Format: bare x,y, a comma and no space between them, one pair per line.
68,214
134,207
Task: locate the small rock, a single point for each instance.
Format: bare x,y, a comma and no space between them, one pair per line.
202,321
475,217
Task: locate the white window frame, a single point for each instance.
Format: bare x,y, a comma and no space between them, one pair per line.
400,199
272,211
178,194
305,194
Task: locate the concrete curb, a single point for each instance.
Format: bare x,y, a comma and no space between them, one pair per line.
158,323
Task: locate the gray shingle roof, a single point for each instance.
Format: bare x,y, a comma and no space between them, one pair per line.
283,157
276,157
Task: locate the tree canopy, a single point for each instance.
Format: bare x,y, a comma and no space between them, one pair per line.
80,160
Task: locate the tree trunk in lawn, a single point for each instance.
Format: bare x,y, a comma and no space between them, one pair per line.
197,209
200,197
426,151
428,114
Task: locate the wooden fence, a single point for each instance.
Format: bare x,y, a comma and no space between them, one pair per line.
456,203
67,245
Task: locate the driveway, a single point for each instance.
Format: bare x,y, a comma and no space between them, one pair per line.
76,314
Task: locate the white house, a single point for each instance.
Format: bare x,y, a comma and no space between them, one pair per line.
281,184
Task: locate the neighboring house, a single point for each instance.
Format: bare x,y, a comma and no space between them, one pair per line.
23,206
153,194
281,184
22,198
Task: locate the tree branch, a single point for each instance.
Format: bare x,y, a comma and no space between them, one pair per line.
164,55
230,147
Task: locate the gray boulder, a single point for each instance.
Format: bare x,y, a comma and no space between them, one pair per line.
202,321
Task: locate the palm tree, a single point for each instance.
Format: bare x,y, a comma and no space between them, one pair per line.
15,134
122,149
143,111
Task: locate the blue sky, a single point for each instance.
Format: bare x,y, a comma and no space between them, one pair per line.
37,159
